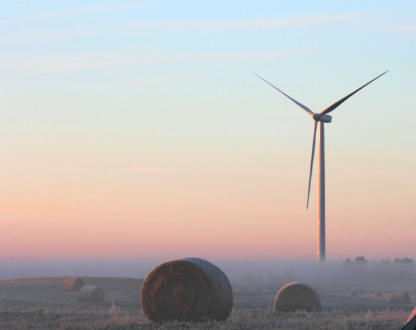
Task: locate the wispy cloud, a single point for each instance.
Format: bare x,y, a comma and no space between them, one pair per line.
401,27
153,81
133,28
80,11
219,171
381,171
247,55
150,169
249,24
244,171
77,62
113,59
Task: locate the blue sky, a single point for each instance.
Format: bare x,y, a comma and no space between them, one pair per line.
99,97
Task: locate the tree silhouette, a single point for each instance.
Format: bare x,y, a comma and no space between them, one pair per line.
360,260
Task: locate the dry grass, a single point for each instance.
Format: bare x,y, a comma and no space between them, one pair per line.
42,304
120,318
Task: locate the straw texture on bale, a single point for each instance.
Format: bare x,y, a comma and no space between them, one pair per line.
400,298
377,294
73,284
297,296
188,289
413,314
90,293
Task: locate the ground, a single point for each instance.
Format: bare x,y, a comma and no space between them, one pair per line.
40,303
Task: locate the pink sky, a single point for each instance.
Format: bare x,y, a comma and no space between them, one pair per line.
140,132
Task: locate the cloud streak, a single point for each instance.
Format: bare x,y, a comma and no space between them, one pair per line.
80,11
242,25
381,171
114,59
402,27
158,27
243,171
150,169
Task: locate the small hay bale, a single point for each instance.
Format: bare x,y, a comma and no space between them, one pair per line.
400,298
90,293
413,314
188,289
353,294
297,296
377,294
73,284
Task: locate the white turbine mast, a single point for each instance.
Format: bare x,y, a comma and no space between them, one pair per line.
322,117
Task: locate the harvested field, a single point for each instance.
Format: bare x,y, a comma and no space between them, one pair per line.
40,303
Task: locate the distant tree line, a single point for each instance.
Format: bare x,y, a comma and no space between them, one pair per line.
397,261
358,260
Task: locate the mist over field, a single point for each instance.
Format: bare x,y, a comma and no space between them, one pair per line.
31,294
255,274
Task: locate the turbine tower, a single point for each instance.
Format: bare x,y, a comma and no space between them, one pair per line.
321,117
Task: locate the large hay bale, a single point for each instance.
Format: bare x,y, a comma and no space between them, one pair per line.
90,293
413,314
73,284
297,296
188,289
400,298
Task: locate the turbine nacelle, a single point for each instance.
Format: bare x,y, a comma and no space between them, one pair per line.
323,118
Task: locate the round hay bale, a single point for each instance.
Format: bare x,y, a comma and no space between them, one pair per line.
400,298
413,314
188,289
73,284
377,294
90,293
353,294
294,296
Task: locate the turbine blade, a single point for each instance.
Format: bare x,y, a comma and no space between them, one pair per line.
338,103
309,111
313,154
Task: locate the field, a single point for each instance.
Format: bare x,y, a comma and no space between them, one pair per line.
40,303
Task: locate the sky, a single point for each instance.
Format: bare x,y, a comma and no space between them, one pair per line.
136,130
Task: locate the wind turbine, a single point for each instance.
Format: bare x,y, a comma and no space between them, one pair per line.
321,117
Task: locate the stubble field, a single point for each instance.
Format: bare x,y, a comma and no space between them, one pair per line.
40,303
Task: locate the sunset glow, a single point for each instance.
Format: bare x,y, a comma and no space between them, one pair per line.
137,131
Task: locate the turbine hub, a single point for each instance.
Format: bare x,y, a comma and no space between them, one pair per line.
324,118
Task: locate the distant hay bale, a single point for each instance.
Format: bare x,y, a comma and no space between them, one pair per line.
73,284
361,292
188,289
377,294
90,293
400,298
297,296
353,294
413,314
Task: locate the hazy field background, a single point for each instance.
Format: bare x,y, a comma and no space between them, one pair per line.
40,303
